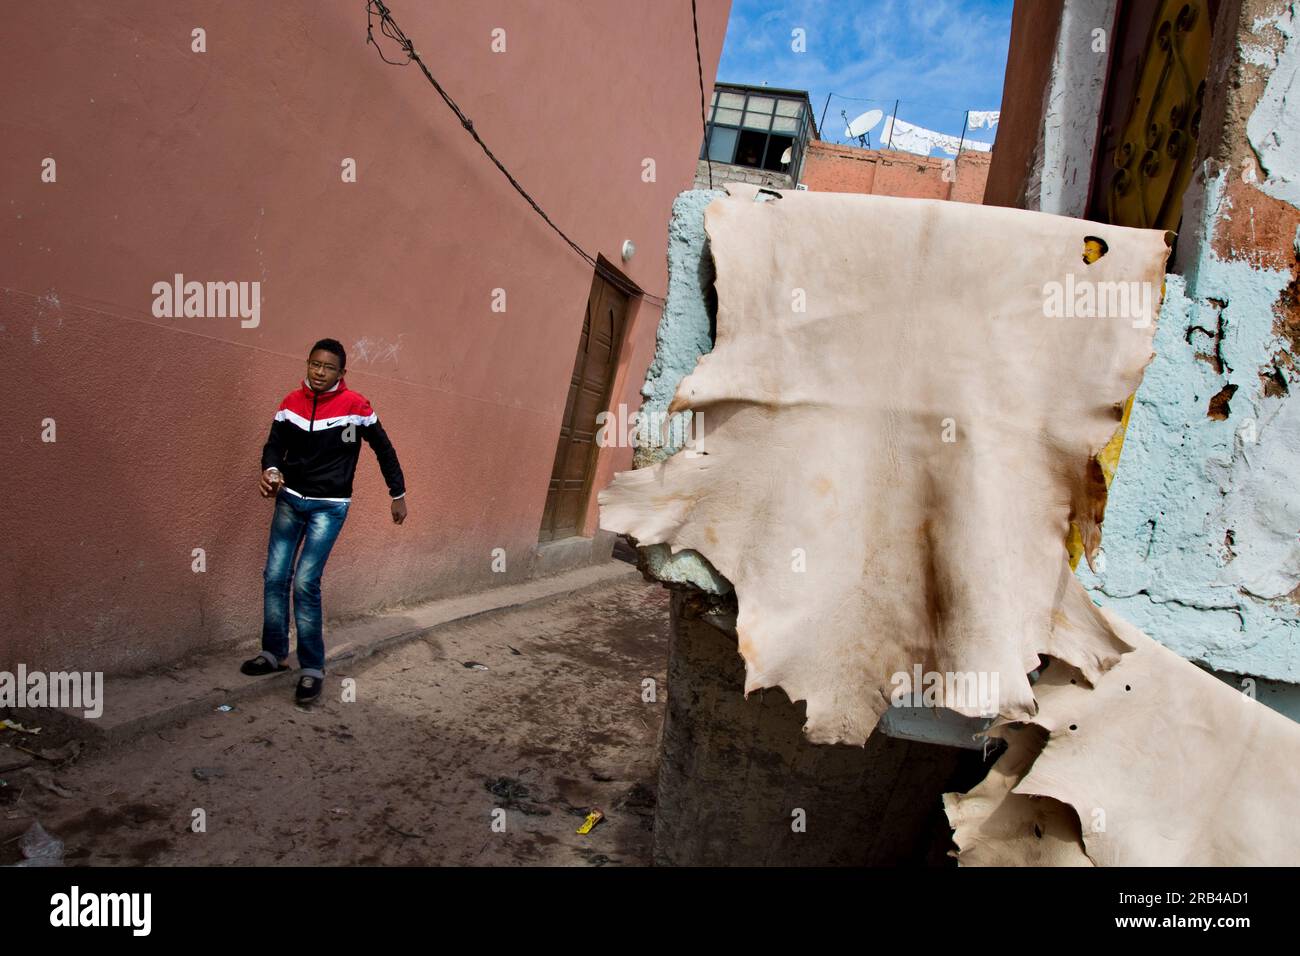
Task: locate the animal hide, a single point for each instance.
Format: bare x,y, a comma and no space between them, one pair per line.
898,439
905,405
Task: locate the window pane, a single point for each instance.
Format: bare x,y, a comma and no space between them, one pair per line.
788,107
732,100
722,144
757,120
761,104
715,97
749,148
787,124
776,148
731,117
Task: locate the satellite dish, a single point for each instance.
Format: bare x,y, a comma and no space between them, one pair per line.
864,124
785,157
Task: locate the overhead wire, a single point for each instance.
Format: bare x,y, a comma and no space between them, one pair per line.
704,110
389,28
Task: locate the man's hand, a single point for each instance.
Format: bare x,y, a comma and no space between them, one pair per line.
270,482
399,510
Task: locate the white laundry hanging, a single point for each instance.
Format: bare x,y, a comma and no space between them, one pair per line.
898,134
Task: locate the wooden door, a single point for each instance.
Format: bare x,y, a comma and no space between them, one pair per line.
1151,117
589,395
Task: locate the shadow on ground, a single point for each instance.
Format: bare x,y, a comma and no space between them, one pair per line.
536,711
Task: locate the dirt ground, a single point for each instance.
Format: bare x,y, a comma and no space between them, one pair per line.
408,774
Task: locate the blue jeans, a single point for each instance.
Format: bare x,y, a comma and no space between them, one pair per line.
315,525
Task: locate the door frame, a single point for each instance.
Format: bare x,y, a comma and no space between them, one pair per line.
606,273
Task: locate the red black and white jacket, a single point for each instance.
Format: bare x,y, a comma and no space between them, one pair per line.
315,441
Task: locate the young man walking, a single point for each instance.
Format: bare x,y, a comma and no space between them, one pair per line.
308,464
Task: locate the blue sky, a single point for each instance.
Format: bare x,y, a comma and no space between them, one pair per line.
939,57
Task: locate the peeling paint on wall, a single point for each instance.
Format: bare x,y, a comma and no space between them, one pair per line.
1202,542
685,333
1273,129
1201,547
685,329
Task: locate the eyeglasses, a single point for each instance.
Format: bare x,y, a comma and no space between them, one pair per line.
322,367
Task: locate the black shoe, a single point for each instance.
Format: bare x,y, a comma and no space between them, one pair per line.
308,689
261,664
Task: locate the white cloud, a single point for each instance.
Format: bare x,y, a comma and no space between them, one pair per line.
949,53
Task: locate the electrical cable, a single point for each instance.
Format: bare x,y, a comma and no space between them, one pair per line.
389,28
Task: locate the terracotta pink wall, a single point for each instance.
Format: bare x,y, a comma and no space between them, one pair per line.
830,167
225,166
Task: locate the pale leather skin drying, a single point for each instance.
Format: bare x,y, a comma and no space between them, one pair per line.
899,439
